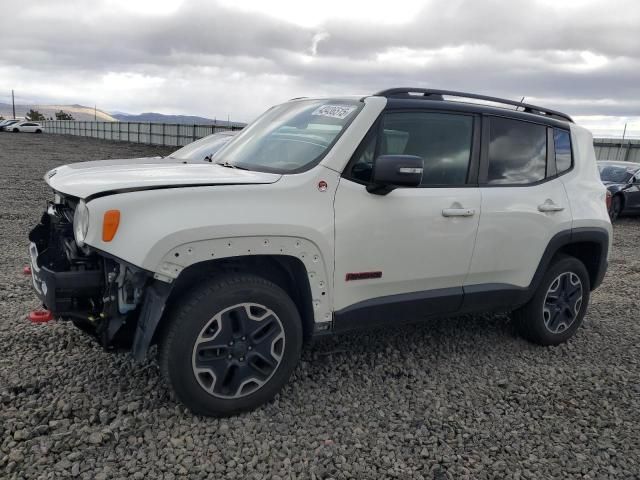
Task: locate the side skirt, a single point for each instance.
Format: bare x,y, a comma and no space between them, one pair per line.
417,306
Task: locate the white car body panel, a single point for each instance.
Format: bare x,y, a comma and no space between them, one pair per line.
85,179
588,193
405,236
513,233
156,224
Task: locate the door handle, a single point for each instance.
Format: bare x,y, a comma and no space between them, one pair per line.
458,212
549,207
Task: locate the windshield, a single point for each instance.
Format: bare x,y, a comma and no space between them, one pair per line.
615,173
203,149
291,137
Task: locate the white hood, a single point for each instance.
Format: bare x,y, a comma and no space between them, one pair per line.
90,178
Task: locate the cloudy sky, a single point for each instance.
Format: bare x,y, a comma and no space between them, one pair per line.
232,57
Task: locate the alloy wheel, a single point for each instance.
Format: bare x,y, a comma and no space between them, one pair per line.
562,302
238,350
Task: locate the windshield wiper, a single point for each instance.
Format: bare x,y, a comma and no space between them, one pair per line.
229,165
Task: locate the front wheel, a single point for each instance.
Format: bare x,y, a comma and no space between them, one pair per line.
558,307
231,345
616,207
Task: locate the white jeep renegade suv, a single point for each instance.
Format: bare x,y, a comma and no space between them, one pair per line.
322,216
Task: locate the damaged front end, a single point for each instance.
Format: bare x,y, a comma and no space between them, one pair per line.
100,294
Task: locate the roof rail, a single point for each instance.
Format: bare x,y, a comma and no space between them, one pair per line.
434,94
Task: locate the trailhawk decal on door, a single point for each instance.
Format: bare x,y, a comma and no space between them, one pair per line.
362,276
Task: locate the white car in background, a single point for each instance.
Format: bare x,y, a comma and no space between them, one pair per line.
26,126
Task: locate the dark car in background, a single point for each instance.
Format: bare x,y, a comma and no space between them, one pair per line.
5,124
622,180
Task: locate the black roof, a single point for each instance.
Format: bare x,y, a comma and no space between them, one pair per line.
435,95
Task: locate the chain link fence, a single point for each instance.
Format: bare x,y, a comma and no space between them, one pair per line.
170,134
174,134
616,149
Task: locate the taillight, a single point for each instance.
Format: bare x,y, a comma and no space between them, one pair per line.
608,200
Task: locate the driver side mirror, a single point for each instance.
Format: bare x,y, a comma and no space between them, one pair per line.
391,171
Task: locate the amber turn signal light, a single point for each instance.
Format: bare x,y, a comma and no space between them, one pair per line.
110,224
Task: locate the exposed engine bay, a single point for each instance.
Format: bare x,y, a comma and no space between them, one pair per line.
99,293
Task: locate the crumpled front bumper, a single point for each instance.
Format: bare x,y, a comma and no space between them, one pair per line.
65,292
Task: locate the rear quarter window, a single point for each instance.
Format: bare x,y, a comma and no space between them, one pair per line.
562,144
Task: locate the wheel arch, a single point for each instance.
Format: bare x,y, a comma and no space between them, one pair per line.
623,199
295,264
590,245
286,271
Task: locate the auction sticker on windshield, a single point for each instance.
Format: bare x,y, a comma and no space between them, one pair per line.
334,111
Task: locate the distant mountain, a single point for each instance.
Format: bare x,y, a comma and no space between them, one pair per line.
79,112
162,118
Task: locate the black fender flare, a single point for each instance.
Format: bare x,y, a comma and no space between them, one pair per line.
499,297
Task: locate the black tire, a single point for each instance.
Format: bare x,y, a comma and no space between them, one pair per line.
38,131
546,320
15,130
218,308
616,207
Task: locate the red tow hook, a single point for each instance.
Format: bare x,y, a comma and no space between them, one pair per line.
40,316
26,270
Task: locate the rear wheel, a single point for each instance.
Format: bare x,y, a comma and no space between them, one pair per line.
231,345
38,131
558,307
616,207
15,130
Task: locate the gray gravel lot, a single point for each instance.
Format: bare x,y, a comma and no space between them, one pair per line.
456,398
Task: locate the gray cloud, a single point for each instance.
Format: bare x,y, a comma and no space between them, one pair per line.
208,59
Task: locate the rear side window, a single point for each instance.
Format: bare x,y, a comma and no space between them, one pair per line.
562,143
517,152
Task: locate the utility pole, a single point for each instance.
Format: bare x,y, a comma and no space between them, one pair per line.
95,113
13,102
624,133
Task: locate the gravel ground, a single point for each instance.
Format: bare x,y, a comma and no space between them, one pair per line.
457,398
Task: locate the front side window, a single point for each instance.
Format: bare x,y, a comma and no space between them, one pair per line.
517,152
442,140
291,137
562,143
